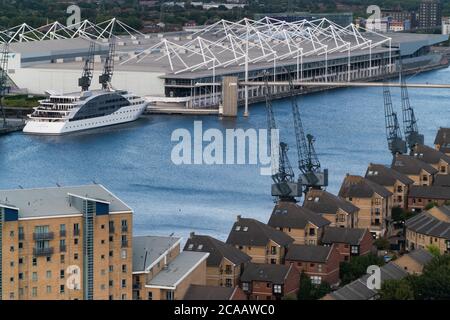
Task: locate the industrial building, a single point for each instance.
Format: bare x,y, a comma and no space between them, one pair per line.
186,68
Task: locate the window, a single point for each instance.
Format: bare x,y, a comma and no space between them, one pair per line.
124,225
34,262
62,259
355,250
111,283
49,274
273,261
61,274
75,241
75,256
124,268
20,245
111,238
377,201
319,267
34,291
48,259
169,295
399,189
124,283
61,289
49,289
316,280
111,253
111,268
34,276
273,250
443,169
21,276
62,230
245,286
277,289
20,260
76,229
312,231
424,178
124,254
228,283
150,296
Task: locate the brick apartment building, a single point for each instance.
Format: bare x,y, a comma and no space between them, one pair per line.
66,243
419,171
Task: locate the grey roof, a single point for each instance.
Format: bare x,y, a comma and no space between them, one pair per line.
147,250
343,235
54,201
358,290
217,250
443,137
274,273
323,202
425,223
421,256
307,253
409,165
430,192
429,155
359,187
255,233
177,269
198,292
442,180
287,214
385,176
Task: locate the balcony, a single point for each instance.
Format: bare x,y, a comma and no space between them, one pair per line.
62,248
62,233
21,236
76,232
43,236
124,243
111,229
39,252
124,228
137,286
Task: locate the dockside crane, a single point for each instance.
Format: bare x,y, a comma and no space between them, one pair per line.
108,69
396,144
311,174
284,186
412,135
3,79
88,71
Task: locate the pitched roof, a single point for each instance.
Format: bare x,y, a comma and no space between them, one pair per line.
287,214
323,202
359,187
429,155
343,235
358,289
45,202
443,137
201,292
385,176
148,249
297,252
178,269
421,256
409,165
442,180
217,250
275,273
252,232
430,192
425,223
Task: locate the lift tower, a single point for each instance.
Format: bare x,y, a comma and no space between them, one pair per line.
88,71
412,135
311,174
3,78
108,69
284,186
396,144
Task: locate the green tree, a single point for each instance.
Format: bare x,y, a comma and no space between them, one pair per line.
396,290
434,250
310,291
357,267
382,244
430,205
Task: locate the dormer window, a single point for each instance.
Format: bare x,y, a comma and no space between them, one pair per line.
191,246
316,199
200,247
238,228
245,229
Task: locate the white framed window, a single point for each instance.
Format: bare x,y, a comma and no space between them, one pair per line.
355,250
316,280
245,286
277,288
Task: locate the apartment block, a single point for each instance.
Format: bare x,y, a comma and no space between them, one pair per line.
65,243
261,242
397,183
374,203
338,211
225,263
300,223
419,171
437,159
162,272
348,242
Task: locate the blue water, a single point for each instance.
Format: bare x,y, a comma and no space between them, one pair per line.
133,161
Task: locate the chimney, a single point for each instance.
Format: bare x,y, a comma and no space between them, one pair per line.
191,235
239,218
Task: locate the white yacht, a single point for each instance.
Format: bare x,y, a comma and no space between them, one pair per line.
60,114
